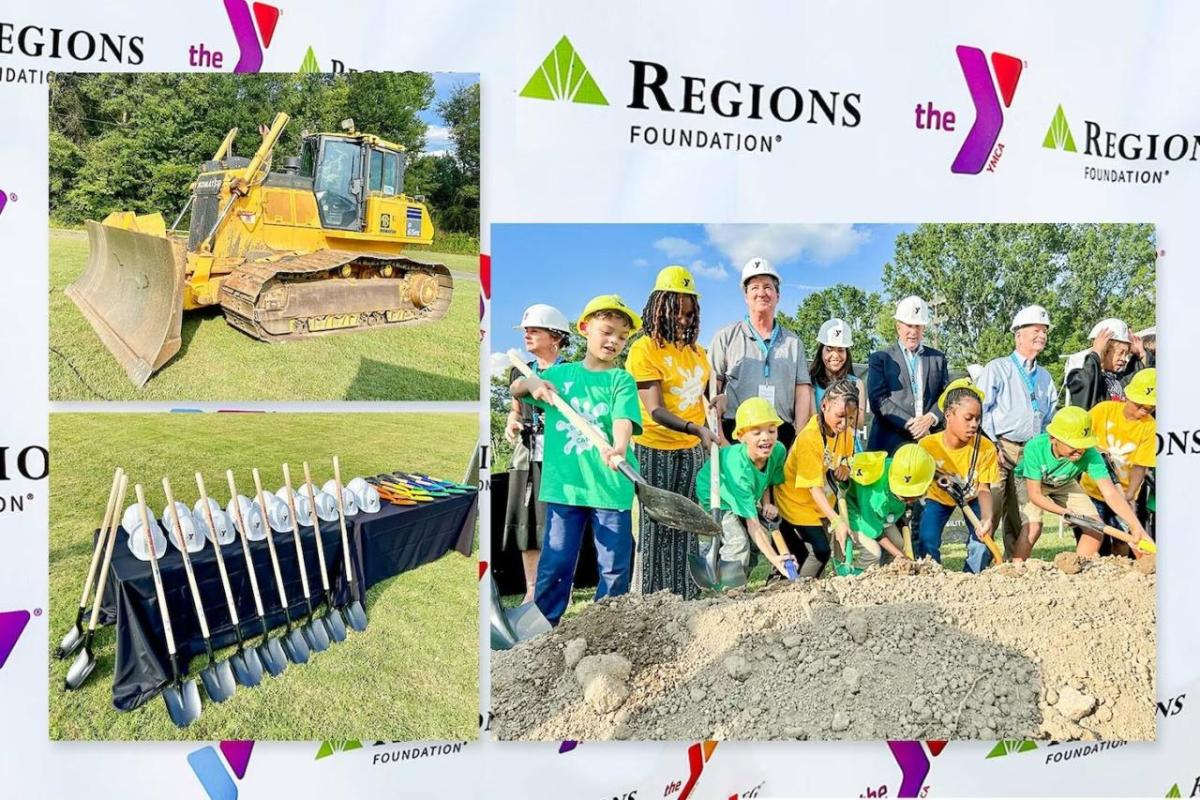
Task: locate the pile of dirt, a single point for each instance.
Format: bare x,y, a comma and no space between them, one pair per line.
908,651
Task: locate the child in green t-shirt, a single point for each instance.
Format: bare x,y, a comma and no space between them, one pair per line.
1051,465
880,494
748,471
579,480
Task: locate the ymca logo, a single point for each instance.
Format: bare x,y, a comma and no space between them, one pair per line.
248,29
914,765
979,149
12,623
212,773
563,76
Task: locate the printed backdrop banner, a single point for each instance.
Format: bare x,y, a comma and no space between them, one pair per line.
1083,111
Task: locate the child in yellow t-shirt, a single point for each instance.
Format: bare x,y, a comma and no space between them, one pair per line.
965,459
824,445
1126,433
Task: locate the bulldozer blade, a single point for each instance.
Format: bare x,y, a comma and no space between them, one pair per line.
131,293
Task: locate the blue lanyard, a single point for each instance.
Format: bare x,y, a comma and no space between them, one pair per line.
765,346
912,359
1029,379
536,412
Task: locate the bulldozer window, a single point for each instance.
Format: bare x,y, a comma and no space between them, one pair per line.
308,158
384,166
340,167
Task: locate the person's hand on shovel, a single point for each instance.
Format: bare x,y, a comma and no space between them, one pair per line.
840,532
770,511
541,389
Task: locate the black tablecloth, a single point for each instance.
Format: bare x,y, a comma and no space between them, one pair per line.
384,544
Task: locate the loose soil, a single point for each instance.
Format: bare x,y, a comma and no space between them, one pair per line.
1062,651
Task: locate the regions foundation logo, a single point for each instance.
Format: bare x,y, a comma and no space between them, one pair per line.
1009,746
12,624
215,777
992,87
562,76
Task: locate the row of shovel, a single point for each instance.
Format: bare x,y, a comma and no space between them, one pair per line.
247,665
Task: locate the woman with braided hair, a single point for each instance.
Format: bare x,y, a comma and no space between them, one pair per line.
671,371
819,460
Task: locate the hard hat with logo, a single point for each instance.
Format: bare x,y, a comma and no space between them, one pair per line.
835,333
675,279
1030,315
753,412
867,467
959,383
911,471
1073,427
758,266
1143,388
609,302
349,501
251,515
1120,331
192,538
365,494
225,533
137,538
912,310
326,506
540,315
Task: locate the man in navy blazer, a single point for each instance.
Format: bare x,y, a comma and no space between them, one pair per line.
904,382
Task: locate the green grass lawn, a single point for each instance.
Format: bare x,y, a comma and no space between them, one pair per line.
954,553
412,675
435,361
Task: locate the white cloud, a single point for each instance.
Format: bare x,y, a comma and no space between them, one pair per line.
716,272
641,262
499,365
437,153
674,247
823,244
438,133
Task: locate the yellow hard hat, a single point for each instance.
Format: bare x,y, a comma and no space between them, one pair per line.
959,383
911,472
1143,389
676,279
1073,427
753,412
609,302
866,468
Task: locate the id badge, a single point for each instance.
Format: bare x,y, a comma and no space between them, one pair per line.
539,443
767,392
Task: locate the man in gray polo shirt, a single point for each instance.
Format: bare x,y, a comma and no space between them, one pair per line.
1019,399
759,357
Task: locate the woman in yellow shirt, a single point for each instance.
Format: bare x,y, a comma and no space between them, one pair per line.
963,455
824,445
671,371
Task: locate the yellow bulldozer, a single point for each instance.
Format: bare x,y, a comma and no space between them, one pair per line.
311,249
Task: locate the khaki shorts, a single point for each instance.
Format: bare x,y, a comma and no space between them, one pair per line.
1070,495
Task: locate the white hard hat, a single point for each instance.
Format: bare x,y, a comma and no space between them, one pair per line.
540,315
835,333
193,539
1120,331
1030,315
326,506
132,517
225,533
278,514
912,310
349,501
251,515
365,494
137,540
758,266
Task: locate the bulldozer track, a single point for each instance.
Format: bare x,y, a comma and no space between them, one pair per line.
333,291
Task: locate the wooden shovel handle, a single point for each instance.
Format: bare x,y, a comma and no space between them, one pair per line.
988,541
108,516
586,428
123,483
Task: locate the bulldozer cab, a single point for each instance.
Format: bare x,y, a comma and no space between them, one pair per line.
358,182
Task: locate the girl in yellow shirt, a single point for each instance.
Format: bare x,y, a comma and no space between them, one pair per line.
822,449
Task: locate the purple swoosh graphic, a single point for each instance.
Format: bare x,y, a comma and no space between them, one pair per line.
914,766
11,625
3,199
988,117
247,38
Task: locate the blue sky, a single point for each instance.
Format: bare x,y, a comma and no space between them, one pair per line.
437,137
566,265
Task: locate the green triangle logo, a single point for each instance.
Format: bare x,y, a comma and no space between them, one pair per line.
1174,792
310,62
1007,746
330,747
563,76
1059,137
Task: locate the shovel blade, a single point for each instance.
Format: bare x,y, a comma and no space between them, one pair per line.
271,653
316,637
247,668
82,667
218,681
527,621
295,647
335,625
70,643
183,702
676,511
733,574
131,293
356,616
702,573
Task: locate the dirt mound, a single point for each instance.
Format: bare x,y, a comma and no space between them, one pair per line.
907,651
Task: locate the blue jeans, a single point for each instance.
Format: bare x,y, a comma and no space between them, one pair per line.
929,542
613,532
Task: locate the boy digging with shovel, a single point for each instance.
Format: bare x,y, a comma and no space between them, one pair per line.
748,470
580,481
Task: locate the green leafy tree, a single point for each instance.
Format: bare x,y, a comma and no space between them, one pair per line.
858,308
